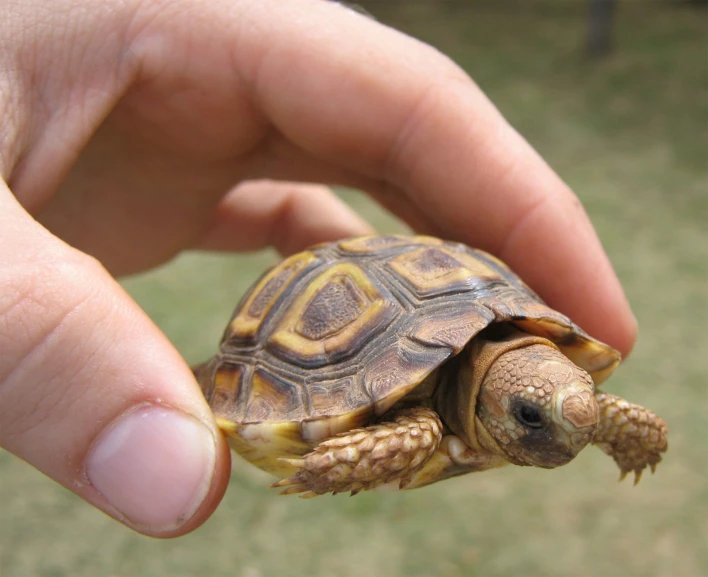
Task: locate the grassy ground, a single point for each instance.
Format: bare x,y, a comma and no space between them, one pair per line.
630,135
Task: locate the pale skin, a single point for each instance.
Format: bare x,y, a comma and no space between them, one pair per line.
124,127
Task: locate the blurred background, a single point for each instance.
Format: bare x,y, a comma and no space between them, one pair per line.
615,97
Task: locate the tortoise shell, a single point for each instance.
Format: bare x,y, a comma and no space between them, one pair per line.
333,336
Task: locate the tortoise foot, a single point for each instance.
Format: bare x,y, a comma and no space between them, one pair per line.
632,435
363,459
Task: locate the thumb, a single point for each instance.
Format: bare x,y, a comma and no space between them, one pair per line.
92,393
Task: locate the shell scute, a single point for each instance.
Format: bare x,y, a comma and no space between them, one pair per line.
338,304
335,315
398,369
227,383
250,314
383,243
273,398
336,397
432,271
451,325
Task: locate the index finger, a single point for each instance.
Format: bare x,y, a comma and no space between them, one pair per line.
395,110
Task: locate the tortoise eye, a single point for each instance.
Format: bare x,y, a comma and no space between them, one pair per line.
529,415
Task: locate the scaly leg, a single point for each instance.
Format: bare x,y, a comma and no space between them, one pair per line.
363,459
632,435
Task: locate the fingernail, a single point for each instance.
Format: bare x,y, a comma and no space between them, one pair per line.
154,465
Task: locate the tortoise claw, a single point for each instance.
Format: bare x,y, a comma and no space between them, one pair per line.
298,463
308,495
282,483
637,476
294,482
293,487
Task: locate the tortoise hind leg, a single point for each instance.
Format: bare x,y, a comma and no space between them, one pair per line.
364,459
632,435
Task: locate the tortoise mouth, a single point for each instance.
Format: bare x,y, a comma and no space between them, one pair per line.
544,449
551,460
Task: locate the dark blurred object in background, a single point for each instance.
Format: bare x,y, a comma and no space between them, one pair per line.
600,37
600,13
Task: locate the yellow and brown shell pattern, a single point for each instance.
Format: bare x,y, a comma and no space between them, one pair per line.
332,337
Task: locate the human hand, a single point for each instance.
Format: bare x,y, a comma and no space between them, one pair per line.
124,125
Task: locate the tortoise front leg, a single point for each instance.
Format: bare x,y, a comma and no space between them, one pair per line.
364,459
632,435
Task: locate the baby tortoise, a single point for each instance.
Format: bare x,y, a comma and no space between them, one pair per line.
401,361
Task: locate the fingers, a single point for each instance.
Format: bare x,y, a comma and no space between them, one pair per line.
355,97
289,216
91,392
395,110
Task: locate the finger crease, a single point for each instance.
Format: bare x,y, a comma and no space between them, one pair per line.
516,228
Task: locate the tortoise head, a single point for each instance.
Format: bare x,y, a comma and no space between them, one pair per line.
537,406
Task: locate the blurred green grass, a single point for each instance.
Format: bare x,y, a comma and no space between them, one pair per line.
630,135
